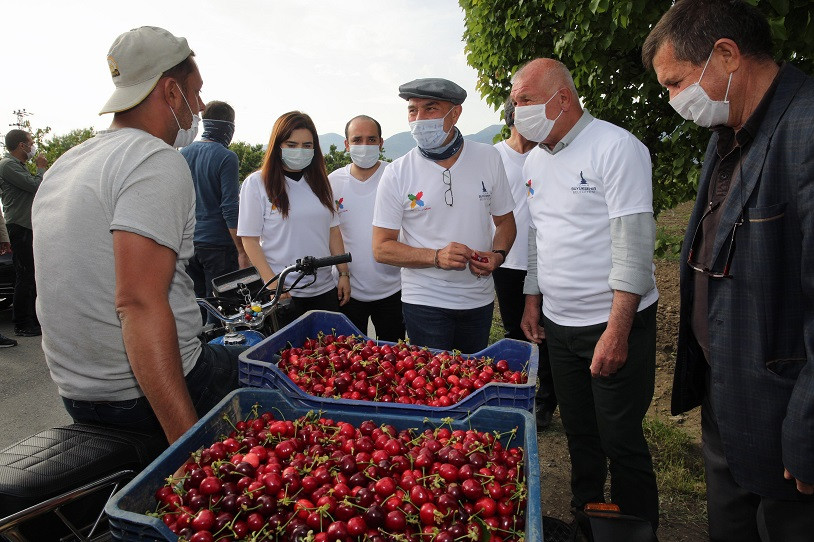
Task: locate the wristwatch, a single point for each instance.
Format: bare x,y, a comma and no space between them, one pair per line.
501,252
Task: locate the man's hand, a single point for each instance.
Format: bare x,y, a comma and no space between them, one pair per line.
243,260
530,323
343,289
454,256
802,487
483,264
41,161
610,354
5,248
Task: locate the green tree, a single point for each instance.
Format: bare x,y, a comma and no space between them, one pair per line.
250,156
600,41
336,159
57,145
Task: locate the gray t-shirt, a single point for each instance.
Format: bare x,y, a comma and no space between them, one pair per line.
124,180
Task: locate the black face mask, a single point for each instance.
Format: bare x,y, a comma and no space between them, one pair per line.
218,130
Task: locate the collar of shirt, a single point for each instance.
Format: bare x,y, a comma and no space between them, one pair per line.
728,137
572,134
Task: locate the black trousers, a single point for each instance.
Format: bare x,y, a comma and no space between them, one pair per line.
603,416
25,290
511,302
738,515
300,305
385,313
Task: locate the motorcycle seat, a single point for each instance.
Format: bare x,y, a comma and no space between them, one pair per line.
60,459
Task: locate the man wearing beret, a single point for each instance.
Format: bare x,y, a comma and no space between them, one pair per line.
434,216
121,342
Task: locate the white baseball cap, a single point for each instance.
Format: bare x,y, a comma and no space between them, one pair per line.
137,59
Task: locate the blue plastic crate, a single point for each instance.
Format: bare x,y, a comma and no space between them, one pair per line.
126,509
258,369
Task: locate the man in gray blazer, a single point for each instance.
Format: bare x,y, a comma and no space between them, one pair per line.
747,267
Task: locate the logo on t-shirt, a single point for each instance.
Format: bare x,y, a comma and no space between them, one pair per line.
339,203
529,189
415,200
583,187
485,195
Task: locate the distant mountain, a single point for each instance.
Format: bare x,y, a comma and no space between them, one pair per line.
326,140
486,135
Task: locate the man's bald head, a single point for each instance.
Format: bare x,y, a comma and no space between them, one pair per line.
552,75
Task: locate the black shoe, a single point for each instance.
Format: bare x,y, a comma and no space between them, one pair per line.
5,342
544,419
28,331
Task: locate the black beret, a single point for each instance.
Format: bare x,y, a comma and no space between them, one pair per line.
433,87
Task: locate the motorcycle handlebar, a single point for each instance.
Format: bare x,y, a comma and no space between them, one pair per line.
327,261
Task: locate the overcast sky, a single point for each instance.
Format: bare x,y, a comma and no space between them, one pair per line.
331,59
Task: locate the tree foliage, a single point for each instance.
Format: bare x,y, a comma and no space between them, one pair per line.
600,41
336,158
250,157
59,144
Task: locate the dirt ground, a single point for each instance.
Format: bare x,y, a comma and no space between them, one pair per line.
677,524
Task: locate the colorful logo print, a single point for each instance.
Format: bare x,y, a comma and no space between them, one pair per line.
339,203
415,200
529,188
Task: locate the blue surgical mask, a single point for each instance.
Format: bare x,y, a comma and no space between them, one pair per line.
296,159
429,133
185,136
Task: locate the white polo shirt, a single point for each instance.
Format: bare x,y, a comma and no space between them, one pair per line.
305,232
513,163
604,173
411,199
354,201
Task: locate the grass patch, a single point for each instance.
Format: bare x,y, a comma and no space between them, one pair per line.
679,470
496,332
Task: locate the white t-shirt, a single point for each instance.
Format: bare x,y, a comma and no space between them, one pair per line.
411,198
354,200
513,163
604,173
124,180
306,231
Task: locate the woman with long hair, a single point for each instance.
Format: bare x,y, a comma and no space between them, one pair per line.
287,212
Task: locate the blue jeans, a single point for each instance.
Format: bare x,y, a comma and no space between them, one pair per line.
466,330
213,377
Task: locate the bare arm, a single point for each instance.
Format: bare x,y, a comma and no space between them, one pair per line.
337,246
388,249
144,271
242,258
610,353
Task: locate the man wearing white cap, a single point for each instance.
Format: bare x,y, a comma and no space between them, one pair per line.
119,317
434,210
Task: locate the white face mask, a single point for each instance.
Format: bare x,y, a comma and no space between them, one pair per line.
364,156
31,152
297,159
693,103
532,122
185,136
429,133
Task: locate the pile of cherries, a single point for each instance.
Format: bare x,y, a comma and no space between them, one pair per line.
351,367
319,480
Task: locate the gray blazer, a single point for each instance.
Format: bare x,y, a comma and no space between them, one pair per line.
761,321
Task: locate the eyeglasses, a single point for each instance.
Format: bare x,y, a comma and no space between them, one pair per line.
728,262
448,181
